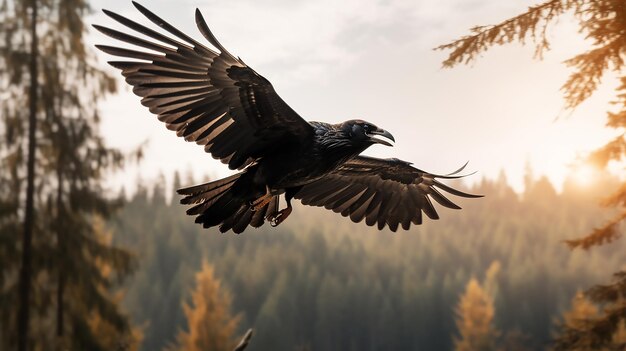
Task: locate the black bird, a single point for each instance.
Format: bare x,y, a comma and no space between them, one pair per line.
214,99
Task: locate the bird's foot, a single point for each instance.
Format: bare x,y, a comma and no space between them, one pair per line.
279,217
261,202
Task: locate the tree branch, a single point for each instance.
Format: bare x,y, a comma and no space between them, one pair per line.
466,49
606,234
244,341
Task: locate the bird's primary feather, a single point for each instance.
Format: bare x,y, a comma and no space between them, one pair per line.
206,96
387,192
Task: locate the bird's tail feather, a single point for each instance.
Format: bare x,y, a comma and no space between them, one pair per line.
226,202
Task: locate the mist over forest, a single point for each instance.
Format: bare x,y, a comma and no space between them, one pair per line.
321,282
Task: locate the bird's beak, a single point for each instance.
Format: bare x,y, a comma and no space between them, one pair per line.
376,134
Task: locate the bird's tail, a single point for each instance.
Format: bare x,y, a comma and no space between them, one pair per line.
226,202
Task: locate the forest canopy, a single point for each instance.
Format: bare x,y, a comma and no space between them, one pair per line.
329,284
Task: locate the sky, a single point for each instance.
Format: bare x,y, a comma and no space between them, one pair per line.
374,60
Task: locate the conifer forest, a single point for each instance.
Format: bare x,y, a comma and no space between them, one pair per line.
92,263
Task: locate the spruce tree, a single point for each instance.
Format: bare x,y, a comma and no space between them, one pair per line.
54,162
475,313
584,328
603,23
577,318
210,324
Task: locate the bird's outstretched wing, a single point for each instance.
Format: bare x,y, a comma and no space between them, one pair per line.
209,97
381,191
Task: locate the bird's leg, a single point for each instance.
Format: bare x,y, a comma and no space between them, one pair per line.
262,201
280,217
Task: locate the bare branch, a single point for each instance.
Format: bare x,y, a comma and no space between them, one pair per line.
244,341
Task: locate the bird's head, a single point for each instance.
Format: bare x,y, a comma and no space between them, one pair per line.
365,133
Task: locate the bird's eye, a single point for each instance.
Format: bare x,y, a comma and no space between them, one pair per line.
366,127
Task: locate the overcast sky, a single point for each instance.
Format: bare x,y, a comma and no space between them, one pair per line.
373,59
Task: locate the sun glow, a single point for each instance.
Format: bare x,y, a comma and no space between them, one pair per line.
583,174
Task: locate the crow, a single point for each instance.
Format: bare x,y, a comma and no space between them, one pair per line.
210,97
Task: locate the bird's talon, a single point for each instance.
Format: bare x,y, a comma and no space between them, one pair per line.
279,217
274,220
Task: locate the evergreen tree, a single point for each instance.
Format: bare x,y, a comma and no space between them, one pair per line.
369,290
603,22
475,313
67,269
210,324
582,309
577,319
584,328
21,56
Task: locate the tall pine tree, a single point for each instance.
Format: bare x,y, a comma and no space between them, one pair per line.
211,326
474,322
54,163
603,23
577,318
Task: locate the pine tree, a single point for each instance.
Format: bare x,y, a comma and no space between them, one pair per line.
66,270
577,319
25,271
584,328
211,327
603,22
475,313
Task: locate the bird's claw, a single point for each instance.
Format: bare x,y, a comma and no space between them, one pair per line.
276,220
279,217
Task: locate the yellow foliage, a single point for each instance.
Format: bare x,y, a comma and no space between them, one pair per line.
619,338
110,338
579,317
475,314
211,326
582,310
490,284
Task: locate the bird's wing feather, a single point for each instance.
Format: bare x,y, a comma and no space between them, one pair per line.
382,191
207,96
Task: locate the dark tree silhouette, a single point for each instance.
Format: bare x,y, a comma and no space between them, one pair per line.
25,276
67,266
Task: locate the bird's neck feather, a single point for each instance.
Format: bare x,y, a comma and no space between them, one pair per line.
340,146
